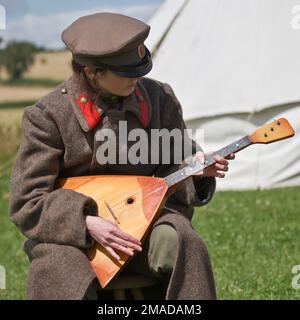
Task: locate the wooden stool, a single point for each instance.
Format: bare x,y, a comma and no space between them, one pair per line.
133,282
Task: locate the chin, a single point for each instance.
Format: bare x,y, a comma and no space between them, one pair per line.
127,92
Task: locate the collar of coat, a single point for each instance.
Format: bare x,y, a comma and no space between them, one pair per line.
89,115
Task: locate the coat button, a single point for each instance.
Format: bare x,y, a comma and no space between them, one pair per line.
83,100
63,90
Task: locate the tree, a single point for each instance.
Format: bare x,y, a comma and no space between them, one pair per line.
18,57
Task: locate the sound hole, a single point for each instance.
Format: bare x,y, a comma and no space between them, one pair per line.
130,200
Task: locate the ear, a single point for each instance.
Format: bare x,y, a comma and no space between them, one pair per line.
89,72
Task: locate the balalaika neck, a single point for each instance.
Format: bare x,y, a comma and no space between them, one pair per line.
196,166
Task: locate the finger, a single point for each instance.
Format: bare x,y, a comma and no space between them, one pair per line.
126,243
220,159
220,174
200,156
221,167
230,157
125,236
121,248
112,252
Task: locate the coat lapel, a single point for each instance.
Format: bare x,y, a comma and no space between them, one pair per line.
89,114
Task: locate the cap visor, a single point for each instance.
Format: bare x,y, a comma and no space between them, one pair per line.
135,72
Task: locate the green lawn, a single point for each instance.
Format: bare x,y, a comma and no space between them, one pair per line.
253,239
11,254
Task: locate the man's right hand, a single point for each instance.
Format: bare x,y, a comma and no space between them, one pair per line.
111,237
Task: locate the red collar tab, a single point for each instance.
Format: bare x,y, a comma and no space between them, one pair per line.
88,110
143,106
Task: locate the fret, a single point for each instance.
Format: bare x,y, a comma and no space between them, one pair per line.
195,167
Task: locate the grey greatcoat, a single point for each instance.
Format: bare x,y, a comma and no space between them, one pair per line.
57,142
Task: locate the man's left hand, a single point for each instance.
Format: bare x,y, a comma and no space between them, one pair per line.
217,169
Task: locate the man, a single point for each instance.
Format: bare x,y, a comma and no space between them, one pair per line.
60,140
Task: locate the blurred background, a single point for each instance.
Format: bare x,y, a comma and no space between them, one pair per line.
234,65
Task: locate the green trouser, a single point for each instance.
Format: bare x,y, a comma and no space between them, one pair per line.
156,260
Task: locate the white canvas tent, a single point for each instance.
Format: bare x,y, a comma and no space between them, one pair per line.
234,65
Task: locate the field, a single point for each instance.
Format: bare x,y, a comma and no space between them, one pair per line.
48,65
10,131
49,69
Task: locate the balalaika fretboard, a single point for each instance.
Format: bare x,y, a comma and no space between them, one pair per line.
196,166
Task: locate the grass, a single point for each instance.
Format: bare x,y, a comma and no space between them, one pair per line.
10,132
253,238
11,254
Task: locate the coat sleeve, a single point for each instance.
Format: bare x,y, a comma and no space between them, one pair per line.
40,211
194,191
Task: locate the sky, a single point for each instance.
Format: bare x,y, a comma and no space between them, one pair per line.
43,21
